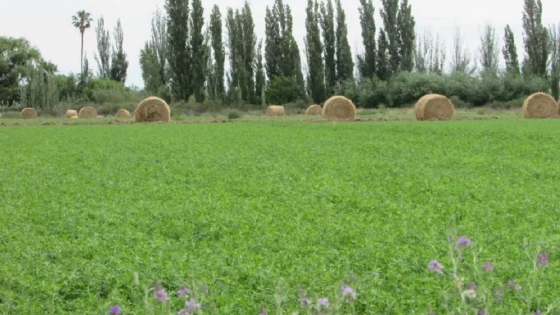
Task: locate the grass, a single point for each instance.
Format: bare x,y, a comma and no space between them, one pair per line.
244,205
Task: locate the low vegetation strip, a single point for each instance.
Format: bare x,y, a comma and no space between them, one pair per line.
225,204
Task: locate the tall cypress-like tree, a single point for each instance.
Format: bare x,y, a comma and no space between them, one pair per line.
460,58
153,57
282,52
103,55
249,43
389,15
119,64
407,36
219,52
316,79
198,50
536,40
273,52
510,52
234,38
329,42
367,63
383,62
489,50
344,61
179,50
555,61
260,79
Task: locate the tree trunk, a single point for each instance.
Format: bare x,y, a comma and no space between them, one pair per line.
82,56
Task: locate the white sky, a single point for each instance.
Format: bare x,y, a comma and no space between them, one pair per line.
47,23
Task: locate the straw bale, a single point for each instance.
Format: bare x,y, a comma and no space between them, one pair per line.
28,113
152,109
434,106
339,108
314,110
540,105
275,110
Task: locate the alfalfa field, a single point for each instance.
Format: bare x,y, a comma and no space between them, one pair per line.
89,211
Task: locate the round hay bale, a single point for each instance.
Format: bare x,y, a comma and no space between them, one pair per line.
434,106
123,113
74,117
28,113
314,110
275,110
339,108
152,109
540,105
0,115
71,113
87,112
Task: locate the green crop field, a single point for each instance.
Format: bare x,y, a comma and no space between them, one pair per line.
243,205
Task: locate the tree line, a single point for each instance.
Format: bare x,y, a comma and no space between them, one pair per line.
185,59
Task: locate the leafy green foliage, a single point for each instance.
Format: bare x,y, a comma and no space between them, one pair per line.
85,209
119,63
16,57
406,88
234,114
282,90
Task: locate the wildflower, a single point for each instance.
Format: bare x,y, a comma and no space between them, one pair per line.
472,286
347,291
183,312
488,267
542,260
324,302
191,305
115,310
435,266
538,312
514,285
498,294
183,291
463,242
302,298
470,293
480,312
263,310
160,293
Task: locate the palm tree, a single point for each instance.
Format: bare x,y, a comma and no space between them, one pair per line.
82,21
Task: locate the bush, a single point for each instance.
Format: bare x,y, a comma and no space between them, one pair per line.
466,90
234,114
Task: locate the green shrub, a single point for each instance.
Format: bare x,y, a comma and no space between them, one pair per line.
465,89
234,114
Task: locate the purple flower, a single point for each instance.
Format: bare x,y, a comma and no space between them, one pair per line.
538,312
498,294
488,267
481,312
302,298
115,310
160,293
191,305
263,311
183,312
435,266
183,291
472,286
463,242
514,285
542,260
347,291
324,302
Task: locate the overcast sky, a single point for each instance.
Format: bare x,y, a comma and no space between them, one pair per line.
47,23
